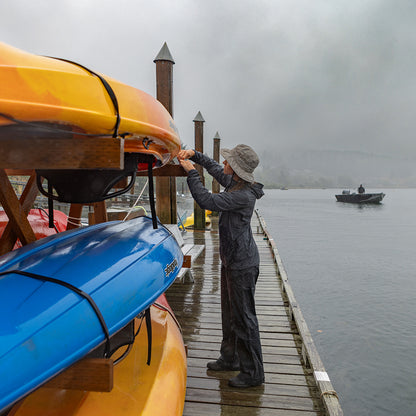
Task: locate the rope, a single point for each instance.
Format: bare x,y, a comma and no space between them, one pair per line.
164,308
77,224
74,218
329,393
137,200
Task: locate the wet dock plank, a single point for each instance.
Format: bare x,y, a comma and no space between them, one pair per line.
290,387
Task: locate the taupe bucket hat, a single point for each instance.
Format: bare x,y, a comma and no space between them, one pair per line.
243,160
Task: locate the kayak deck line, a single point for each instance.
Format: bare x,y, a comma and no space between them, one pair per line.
296,380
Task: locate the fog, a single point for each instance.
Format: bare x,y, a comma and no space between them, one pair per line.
289,77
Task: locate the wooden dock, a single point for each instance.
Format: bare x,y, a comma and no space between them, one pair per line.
296,382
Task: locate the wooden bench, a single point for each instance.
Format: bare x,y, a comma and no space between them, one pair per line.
190,254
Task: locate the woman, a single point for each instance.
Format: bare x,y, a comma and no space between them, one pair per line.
240,347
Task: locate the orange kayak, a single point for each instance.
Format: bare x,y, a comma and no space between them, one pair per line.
139,389
60,97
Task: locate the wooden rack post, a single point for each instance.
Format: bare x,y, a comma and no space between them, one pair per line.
165,186
17,210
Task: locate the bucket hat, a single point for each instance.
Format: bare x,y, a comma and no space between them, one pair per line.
243,160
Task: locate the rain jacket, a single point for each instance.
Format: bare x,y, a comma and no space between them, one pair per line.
238,249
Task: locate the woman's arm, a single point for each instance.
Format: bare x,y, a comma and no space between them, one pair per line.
213,168
224,201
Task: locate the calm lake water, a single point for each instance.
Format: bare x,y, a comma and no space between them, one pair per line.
353,272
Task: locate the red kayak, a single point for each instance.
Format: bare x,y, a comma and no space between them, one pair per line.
39,221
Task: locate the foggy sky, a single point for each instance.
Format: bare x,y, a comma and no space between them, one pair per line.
279,74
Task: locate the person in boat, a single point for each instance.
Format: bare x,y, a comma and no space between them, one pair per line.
240,347
361,189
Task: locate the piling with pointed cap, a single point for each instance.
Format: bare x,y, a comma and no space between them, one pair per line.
199,213
165,186
216,157
164,78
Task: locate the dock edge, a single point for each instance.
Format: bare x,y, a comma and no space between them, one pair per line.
309,352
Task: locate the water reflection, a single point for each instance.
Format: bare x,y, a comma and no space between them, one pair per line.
250,400
360,207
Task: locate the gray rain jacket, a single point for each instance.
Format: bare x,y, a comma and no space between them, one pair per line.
238,249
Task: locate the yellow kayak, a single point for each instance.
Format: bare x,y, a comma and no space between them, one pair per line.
189,222
66,97
139,389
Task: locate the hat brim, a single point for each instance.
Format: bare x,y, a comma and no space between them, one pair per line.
225,153
228,156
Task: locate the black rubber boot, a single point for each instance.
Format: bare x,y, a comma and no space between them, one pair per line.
220,365
243,381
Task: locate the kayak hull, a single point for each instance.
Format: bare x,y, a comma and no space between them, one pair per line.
45,327
68,98
138,389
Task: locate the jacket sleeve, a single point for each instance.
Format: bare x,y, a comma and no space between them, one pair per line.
213,168
224,201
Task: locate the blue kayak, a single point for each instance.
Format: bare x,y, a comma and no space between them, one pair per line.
64,295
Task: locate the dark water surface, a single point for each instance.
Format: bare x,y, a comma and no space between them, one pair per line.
353,272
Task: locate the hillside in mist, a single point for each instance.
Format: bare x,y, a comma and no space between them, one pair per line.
334,169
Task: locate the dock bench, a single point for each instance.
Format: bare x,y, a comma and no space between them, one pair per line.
190,253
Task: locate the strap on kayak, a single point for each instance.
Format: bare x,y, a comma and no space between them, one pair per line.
107,87
149,334
151,193
53,224
50,206
144,315
77,291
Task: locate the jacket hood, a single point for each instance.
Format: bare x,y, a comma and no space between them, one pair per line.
257,189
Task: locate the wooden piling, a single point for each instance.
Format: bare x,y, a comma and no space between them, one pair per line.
165,186
216,157
199,213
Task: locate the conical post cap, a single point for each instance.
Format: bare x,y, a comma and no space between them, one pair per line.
164,54
199,117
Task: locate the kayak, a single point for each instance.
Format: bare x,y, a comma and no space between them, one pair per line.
189,221
64,295
44,100
59,97
39,221
139,389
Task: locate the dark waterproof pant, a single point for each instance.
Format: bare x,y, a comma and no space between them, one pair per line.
240,328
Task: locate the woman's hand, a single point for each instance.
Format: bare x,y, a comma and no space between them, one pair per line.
186,164
185,154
